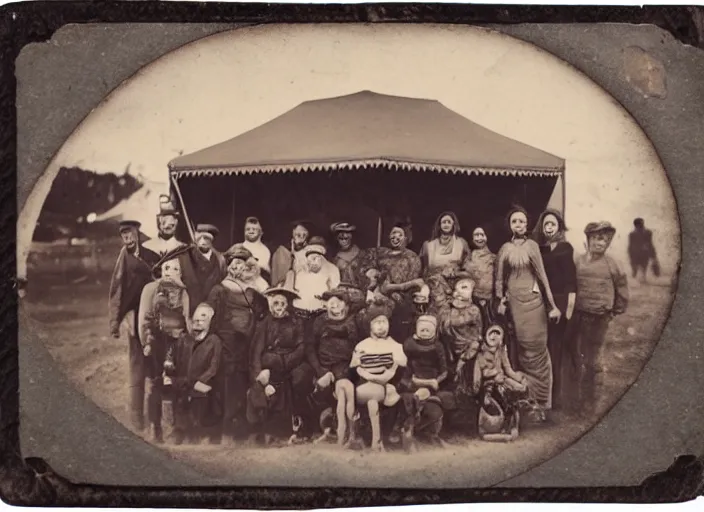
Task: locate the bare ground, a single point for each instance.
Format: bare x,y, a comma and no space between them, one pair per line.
72,321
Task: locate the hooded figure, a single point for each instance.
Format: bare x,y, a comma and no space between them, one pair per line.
132,273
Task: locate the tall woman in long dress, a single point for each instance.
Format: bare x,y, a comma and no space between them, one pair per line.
558,257
522,284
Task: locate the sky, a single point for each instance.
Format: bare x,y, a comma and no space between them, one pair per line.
221,86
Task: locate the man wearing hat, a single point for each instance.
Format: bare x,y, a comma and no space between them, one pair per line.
202,266
293,257
280,375
132,272
347,258
602,293
167,224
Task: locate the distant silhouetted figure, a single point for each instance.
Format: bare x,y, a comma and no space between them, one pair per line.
641,251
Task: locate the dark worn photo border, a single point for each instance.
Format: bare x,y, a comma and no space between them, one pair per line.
30,482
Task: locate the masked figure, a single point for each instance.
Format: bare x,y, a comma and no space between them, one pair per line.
499,389
197,402
293,257
445,258
132,273
522,287
481,268
347,258
238,307
425,394
163,318
253,233
276,400
203,266
167,224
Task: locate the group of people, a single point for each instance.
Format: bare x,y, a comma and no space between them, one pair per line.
363,345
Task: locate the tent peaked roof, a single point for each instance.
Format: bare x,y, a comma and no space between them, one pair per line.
369,129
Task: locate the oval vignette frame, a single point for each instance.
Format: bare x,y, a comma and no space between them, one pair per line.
127,83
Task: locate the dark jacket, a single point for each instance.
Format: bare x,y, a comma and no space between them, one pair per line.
200,275
277,346
131,274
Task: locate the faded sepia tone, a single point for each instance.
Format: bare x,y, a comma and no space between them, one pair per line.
612,173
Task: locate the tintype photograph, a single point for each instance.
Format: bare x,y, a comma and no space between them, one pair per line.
357,255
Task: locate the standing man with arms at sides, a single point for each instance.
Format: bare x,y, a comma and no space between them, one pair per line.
202,266
132,273
167,223
253,233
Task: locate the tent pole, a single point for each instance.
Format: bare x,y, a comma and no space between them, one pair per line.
232,223
378,232
174,181
564,195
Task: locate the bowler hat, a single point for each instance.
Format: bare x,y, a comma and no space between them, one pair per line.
237,252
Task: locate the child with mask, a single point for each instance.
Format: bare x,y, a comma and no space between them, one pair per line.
423,400
498,387
376,361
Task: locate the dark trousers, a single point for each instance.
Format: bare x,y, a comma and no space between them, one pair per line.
136,383
556,341
583,359
154,370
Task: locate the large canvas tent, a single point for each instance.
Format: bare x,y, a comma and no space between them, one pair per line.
365,158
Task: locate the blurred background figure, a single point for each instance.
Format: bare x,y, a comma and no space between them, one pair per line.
641,251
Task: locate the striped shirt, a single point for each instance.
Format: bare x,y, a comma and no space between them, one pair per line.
378,355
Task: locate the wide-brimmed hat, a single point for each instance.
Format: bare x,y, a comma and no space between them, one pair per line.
601,226
171,255
343,227
237,252
282,290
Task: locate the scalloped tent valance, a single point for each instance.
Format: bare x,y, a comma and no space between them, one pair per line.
369,129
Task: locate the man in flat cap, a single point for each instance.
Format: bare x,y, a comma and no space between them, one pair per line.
167,224
253,233
602,293
202,266
131,274
292,257
347,258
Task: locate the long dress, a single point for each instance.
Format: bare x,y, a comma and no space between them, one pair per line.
562,276
397,267
521,274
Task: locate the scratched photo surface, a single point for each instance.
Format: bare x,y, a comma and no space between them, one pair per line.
354,255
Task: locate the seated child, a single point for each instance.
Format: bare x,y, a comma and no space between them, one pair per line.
499,387
376,360
425,373
461,331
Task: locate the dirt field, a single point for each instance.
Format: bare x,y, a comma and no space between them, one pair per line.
71,319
